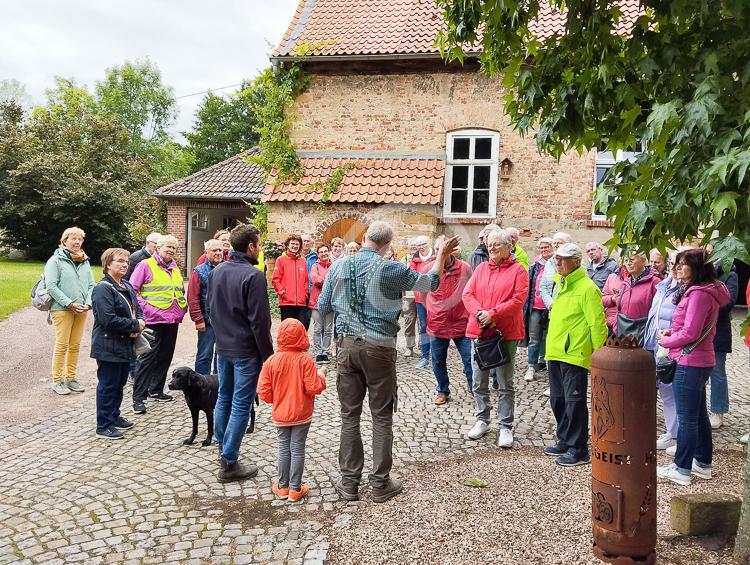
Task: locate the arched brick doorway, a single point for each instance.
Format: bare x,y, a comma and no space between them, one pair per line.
348,229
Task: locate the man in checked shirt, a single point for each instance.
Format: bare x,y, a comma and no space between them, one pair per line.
365,292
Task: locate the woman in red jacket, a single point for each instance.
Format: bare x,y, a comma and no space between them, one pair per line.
494,298
290,281
323,328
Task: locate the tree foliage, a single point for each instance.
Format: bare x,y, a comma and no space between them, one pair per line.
677,78
223,127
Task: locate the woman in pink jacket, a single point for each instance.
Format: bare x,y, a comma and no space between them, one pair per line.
636,296
694,321
323,328
494,298
610,292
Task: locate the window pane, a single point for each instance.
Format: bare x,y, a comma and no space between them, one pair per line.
482,177
461,148
481,202
458,201
460,177
483,148
601,173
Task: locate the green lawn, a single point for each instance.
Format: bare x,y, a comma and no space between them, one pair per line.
16,280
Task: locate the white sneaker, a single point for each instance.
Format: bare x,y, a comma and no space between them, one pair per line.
529,376
479,429
505,439
61,388
716,420
670,473
547,392
408,352
422,364
671,450
664,441
702,472
744,439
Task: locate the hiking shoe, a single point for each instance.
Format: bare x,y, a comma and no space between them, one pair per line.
347,491
388,491
716,420
161,397
664,441
505,439
408,352
745,438
237,471
282,493
529,376
555,450
671,450
670,473
295,495
479,429
699,471
325,358
122,424
60,388
74,386
320,359
422,364
570,459
541,366
109,433
441,399
139,407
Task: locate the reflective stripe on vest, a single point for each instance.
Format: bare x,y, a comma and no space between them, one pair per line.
164,288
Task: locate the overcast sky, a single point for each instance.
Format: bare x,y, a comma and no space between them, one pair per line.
198,45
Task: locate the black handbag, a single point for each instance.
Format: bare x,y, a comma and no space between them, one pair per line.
490,352
631,326
666,367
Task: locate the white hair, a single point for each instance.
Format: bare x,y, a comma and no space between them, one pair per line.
421,240
380,233
502,235
211,242
166,240
352,245
514,232
543,240
562,236
153,237
597,245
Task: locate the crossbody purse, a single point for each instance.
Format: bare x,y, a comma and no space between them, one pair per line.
666,367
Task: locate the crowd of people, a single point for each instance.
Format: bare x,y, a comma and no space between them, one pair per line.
559,309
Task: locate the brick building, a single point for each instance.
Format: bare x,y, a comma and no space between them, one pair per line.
430,148
209,200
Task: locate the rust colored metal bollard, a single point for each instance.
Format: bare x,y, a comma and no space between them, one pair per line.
623,437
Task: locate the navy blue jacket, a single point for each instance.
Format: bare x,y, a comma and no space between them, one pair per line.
723,337
113,321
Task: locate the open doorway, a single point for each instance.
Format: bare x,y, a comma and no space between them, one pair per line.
203,224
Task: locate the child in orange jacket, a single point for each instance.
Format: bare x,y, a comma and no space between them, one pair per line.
290,381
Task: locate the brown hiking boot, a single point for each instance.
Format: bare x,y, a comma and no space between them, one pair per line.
441,399
237,471
388,491
347,491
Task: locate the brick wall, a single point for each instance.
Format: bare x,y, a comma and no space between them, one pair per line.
414,111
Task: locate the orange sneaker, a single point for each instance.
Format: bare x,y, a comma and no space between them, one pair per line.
280,492
295,495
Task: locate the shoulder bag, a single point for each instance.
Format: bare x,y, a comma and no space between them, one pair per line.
666,367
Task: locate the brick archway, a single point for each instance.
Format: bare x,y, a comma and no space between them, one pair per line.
350,226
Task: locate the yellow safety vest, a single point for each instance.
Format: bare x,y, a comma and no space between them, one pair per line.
261,266
164,288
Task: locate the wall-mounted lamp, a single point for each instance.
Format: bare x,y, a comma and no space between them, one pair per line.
506,167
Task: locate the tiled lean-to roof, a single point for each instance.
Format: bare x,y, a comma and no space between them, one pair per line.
231,179
390,27
376,180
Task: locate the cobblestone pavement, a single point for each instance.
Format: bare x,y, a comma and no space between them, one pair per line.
67,497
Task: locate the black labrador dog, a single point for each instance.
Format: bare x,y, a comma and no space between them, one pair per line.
200,393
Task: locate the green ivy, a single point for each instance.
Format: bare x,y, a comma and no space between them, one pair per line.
259,217
332,185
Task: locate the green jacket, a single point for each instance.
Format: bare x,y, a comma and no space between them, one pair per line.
577,326
521,257
66,282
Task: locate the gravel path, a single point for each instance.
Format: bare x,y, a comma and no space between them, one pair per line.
532,511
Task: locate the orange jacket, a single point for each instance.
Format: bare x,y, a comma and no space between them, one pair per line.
290,280
289,379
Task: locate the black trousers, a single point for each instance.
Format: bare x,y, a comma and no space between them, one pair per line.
568,386
151,373
301,313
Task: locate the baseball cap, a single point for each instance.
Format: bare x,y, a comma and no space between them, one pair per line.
569,251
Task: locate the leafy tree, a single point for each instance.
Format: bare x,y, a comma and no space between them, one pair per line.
223,127
676,78
11,89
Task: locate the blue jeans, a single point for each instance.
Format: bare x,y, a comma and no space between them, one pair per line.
694,429
537,337
439,350
238,380
112,379
719,387
424,339
205,353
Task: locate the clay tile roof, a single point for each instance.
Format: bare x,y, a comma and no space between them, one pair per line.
232,179
377,180
388,27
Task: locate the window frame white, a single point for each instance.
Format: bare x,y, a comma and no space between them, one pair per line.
492,162
609,160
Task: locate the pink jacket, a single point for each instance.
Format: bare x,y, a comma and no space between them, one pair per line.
446,314
502,290
635,300
318,274
151,314
698,307
611,288
421,266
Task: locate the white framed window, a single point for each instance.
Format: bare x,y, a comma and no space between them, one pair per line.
471,173
605,160
199,221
